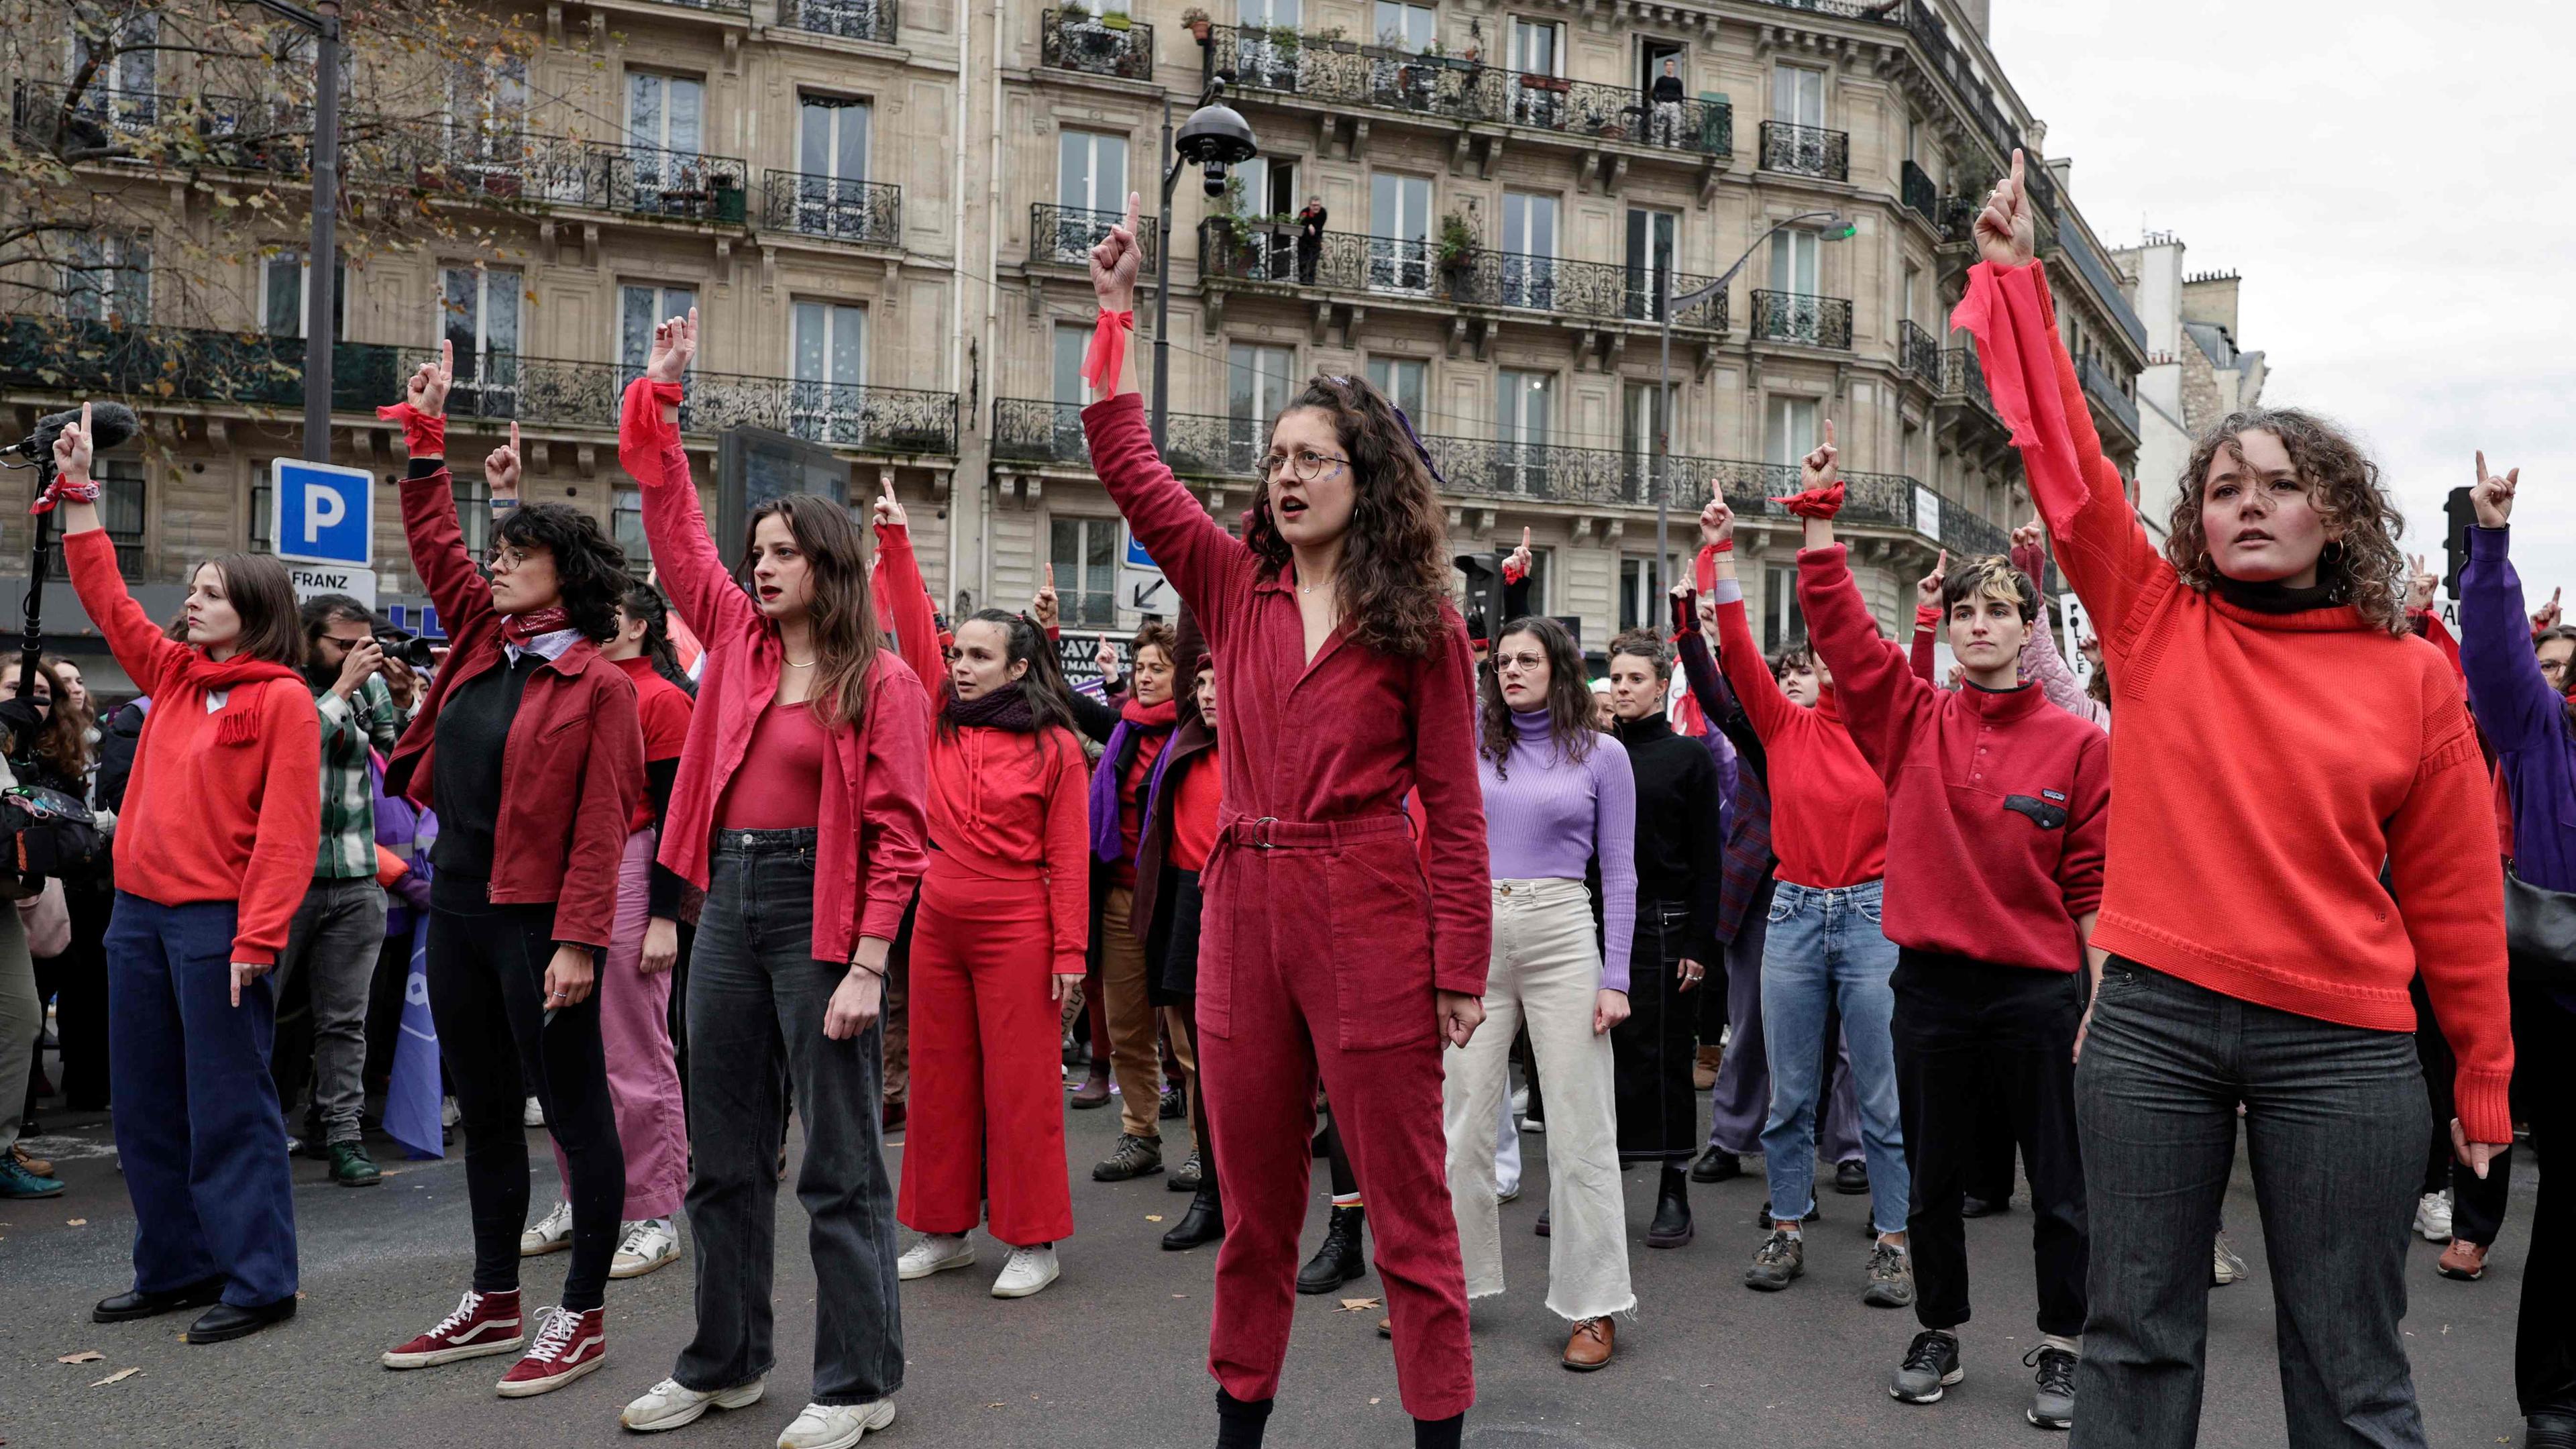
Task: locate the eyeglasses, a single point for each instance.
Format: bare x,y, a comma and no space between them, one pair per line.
506,557
1305,465
2554,668
1520,661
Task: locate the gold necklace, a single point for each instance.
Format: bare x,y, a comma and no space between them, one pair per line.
808,664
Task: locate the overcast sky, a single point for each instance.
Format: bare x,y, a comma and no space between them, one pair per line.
2394,182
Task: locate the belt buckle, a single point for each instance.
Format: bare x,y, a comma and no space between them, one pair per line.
1261,832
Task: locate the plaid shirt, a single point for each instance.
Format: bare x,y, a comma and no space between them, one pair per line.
1749,860
350,728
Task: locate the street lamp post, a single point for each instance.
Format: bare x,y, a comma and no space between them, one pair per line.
1834,228
1214,137
320,336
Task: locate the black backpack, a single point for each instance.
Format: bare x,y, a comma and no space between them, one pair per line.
45,834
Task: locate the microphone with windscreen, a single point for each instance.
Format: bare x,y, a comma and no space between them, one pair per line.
110,425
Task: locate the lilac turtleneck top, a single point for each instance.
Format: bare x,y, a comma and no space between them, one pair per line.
1547,817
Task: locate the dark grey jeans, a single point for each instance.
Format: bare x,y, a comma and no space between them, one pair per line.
756,998
2335,1119
333,943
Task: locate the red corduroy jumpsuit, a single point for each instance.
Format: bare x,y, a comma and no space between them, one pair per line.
1323,940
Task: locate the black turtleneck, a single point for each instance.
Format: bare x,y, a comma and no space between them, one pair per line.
1680,854
2276,598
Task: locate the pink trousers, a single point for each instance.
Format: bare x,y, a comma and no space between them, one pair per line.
635,1031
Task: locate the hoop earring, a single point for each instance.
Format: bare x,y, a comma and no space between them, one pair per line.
2332,553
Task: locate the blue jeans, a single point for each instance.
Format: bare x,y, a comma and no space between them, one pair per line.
196,1112
1824,949
2335,1122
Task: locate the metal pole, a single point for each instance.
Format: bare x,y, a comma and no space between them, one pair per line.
1663,439
1163,281
319,335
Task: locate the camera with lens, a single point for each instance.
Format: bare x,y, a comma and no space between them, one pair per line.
408,647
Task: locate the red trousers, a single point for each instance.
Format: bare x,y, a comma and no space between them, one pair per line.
987,1113
1281,998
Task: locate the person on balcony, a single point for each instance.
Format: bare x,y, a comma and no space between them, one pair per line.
1666,99
1310,239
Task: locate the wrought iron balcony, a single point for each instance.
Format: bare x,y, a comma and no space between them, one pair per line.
1920,193
97,120
1063,236
867,213
164,365
1574,289
1962,379
570,393
1195,445
731,7
1341,73
2105,392
1919,353
1806,151
508,166
1276,254
850,19
1797,317
1097,48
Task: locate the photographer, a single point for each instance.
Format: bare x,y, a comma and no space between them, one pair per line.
331,948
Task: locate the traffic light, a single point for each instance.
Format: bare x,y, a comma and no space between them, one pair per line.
2460,515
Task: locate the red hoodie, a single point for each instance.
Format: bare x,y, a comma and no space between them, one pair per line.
1998,802
1828,808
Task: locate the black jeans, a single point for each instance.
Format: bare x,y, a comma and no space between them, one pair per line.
487,995
1652,1051
2335,1118
2544,1351
756,1002
1977,1042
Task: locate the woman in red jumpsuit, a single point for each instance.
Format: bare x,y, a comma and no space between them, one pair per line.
1324,948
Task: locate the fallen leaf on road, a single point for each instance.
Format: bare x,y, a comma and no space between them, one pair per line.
87,1355
76,1222
1372,1401
117,1377
1355,1305
1153,1217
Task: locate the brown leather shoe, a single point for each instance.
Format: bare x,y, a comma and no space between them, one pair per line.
1589,1346
1386,1328
2463,1260
1704,1067
1094,1091
37,1165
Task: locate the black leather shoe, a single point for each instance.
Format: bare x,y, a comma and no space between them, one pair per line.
1541,1227
1716,1166
1339,1260
1978,1207
1671,1227
126,1307
224,1321
1204,1223
2550,1431
1851,1179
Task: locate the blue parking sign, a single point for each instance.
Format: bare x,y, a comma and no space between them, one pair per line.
322,512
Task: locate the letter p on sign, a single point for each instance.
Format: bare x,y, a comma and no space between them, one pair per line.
323,508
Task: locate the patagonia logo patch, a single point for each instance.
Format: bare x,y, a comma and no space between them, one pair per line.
2057,796
2040,812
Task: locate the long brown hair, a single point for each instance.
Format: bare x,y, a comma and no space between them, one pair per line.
1394,574
262,593
63,742
1569,696
839,608
2363,568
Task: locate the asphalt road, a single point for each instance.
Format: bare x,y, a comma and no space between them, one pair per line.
1113,1355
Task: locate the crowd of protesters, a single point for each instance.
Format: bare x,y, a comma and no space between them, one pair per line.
1335,851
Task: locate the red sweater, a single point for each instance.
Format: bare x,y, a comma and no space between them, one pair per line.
662,708
1014,806
871,822
2266,765
205,819
1194,814
1828,808
1974,868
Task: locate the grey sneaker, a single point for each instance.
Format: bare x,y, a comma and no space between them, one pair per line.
1931,1366
2052,1395
1187,1176
1891,1277
1781,1259
2226,1265
1135,1157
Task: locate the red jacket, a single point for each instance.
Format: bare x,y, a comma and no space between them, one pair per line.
871,826
1997,803
2266,765
209,816
573,767
1339,738
1828,808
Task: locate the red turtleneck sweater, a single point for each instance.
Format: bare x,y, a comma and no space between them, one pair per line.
1828,807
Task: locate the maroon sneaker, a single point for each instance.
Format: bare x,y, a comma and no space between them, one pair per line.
483,1323
568,1345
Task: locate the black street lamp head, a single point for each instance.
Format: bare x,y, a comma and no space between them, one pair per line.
1216,137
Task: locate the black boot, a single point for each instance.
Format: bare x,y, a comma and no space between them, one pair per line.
1240,1423
1339,1260
1672,1225
1203,1223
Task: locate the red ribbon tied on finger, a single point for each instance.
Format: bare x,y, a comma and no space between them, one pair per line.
1815,502
1108,355
424,436
64,490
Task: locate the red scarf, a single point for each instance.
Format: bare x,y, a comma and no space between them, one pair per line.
519,629
1150,716
1815,502
424,436
240,722
1107,355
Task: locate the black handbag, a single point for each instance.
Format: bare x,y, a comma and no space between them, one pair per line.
2539,933
45,834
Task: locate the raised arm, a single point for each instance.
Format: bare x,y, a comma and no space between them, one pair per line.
1739,658
1708,685
648,448
138,644
2515,703
1878,688
905,599
430,526
2100,543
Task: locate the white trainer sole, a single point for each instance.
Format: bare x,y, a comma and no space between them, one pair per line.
435,1357
740,1396
638,1267
944,1265
879,1415
533,1387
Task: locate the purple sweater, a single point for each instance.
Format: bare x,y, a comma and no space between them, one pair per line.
2522,716
1549,818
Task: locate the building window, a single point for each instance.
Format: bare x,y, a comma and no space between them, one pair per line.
1798,95
1520,429
122,89
641,307
487,109
286,295
1641,595
1791,433
473,510
109,278
1641,428
1258,384
626,524
481,307
831,361
1090,190
1782,623
1085,554
120,512
1406,27
1405,383
1399,233
262,493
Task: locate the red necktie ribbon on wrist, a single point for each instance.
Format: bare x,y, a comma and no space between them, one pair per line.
1815,502
424,436
1107,358
65,490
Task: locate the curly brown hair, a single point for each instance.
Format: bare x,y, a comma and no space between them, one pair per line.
2363,567
1395,573
1569,697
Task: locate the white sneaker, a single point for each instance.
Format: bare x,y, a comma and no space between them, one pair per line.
448,1113
649,1244
835,1426
552,1234
2225,1264
532,1115
667,1405
1029,1271
935,1253
1520,1101
2433,1217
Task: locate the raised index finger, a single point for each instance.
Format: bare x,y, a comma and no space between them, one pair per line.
514,437
1829,432
1132,202
2482,465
